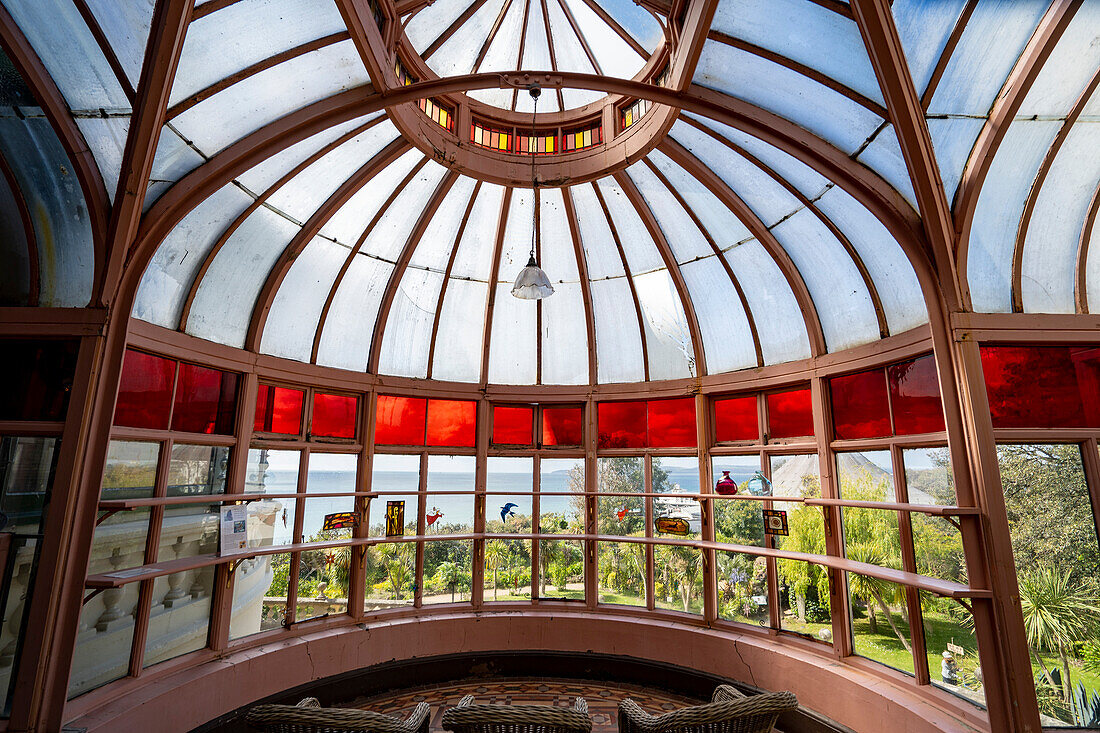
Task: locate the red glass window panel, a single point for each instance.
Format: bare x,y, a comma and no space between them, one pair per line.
279,410
452,423
672,423
145,391
562,426
206,400
736,419
334,415
37,377
513,425
861,405
1040,386
915,396
790,414
621,424
1086,361
400,420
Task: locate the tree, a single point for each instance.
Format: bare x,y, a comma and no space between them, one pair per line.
495,554
873,591
397,562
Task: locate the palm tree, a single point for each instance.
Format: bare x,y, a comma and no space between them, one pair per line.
447,574
495,553
872,590
1058,613
397,556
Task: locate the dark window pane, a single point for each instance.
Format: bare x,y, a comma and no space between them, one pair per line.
334,415
205,400
790,414
915,396
672,423
861,407
562,425
279,410
37,377
145,391
513,425
452,423
399,421
736,419
622,424
1040,386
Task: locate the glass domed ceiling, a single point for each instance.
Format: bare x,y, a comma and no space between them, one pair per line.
773,215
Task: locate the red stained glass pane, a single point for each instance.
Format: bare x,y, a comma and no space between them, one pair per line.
736,419
145,391
790,414
1041,386
206,400
400,420
37,377
279,410
672,423
861,405
513,425
621,424
452,423
562,426
915,396
334,415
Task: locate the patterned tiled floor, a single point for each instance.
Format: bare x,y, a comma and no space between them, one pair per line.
602,697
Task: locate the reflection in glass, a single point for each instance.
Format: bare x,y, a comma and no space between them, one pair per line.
271,521
259,595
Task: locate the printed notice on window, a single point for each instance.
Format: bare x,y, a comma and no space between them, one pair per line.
234,529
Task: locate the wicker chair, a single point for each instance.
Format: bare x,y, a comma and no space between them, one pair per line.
730,711
467,717
309,717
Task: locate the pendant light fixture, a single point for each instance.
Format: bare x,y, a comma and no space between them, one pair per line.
532,283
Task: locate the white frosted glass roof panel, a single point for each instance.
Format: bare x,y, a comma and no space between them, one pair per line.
883,155
458,54
681,233
994,37
721,224
260,177
570,56
438,241
513,354
406,341
304,193
668,339
924,28
503,55
349,326
1050,248
432,20
296,309
1071,64
556,252
723,325
106,137
636,21
782,328
457,356
801,176
564,336
843,303
517,237
225,298
600,253
167,279
350,221
126,27
778,89
63,228
952,140
475,251
1092,266
641,252
70,53
997,213
536,55
615,56
244,33
270,94
886,262
618,338
173,160
804,32
388,237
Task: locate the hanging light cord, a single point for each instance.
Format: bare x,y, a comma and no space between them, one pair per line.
535,91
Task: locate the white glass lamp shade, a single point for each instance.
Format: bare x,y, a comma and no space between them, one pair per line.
532,283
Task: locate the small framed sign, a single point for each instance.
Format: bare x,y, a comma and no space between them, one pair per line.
234,529
340,520
395,518
955,649
775,522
